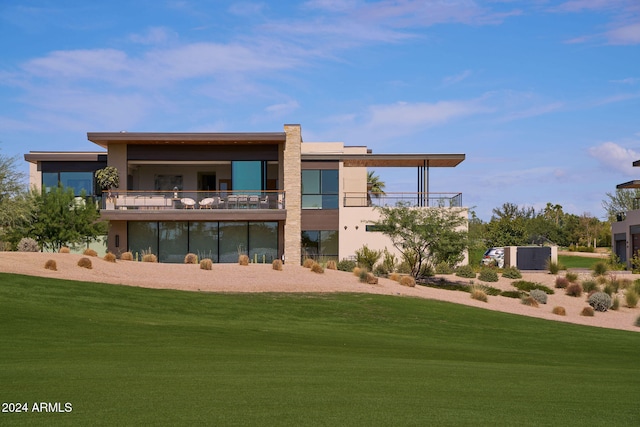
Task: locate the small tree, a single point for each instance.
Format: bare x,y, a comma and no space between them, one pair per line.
107,179
14,207
367,258
419,233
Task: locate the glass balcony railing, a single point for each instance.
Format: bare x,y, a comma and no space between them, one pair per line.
179,199
364,199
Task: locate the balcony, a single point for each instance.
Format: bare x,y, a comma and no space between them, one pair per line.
194,205
440,200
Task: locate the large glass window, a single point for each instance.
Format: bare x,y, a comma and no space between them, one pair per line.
143,237
247,175
203,239
263,241
173,241
233,240
78,181
320,244
320,189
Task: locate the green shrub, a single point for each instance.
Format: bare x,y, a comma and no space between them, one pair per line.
346,265
562,282
637,323
553,267
379,270
206,264
511,294
615,305
527,286
587,311
443,268
599,268
600,301
631,298
404,268
512,272
530,301
367,258
538,295
571,276
27,244
389,261
363,275
610,289
636,286
488,275
590,285
574,290
466,271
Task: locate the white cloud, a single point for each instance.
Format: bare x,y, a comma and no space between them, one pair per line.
153,35
626,34
616,158
457,78
282,109
627,81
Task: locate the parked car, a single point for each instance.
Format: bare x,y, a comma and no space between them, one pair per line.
493,256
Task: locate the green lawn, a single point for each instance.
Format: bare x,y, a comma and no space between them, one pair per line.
132,356
575,261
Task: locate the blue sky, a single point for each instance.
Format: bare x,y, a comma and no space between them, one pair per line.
543,97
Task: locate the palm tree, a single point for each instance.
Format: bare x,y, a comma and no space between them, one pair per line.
375,187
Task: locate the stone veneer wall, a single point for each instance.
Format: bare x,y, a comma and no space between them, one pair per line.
293,194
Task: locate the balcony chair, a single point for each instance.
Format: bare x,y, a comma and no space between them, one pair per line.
254,201
206,203
264,203
188,202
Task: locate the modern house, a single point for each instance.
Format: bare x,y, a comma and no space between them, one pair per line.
625,232
269,194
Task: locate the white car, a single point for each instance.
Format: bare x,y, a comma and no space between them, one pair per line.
493,256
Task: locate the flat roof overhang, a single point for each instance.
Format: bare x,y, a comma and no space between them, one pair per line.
391,160
103,139
64,156
631,184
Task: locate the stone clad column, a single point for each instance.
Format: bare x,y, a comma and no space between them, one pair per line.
293,194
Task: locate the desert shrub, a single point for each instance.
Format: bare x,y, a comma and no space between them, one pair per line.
512,272
51,265
277,264
600,301
466,271
357,271
149,258
367,258
346,265
307,263
637,323
379,270
553,267
590,285
206,264
109,257
562,282
587,311
395,276
371,279
635,286
615,304
571,276
613,284
64,250
574,290
85,262
404,268
625,283
317,268
362,274
631,298
560,311
511,294
488,275
527,286
609,289
90,252
538,295
443,268
126,256
478,294
191,259
27,244
408,281
599,268
243,259
601,280
426,271
331,265
529,300
389,261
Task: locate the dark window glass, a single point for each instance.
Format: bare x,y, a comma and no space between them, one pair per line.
174,241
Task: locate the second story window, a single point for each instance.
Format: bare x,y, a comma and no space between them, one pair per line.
79,181
320,189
